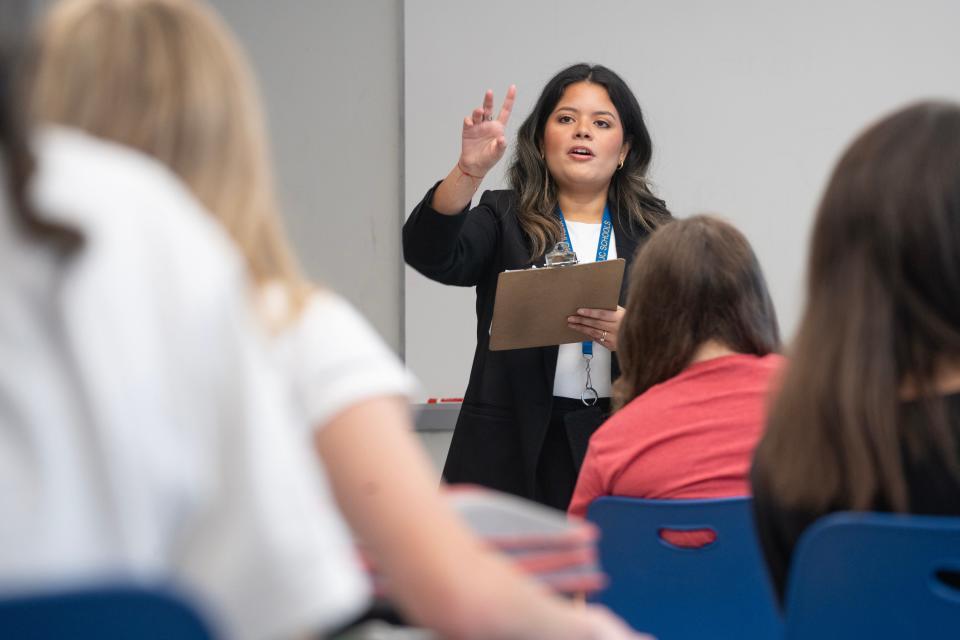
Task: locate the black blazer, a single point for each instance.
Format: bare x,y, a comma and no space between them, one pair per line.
507,404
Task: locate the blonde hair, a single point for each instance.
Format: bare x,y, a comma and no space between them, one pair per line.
166,77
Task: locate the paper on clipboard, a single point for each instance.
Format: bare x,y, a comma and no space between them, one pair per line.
532,305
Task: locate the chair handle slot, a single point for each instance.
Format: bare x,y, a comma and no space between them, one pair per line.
946,583
686,538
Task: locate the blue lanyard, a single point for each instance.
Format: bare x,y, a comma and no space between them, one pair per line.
603,248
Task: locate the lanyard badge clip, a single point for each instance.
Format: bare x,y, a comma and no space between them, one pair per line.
562,255
589,395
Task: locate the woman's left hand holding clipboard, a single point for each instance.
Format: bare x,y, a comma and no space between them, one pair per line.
600,325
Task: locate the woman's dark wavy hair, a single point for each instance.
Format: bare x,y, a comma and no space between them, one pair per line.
18,161
882,318
694,280
629,195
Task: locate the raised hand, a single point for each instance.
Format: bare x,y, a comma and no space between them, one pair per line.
484,141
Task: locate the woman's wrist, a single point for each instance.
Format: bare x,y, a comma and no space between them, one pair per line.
455,192
466,173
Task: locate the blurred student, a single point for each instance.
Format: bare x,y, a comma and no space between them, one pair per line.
868,418
144,435
698,350
197,111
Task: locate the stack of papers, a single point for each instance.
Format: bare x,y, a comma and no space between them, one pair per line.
546,544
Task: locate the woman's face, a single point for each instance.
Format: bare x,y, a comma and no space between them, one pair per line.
583,139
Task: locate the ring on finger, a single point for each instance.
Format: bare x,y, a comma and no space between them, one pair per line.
488,117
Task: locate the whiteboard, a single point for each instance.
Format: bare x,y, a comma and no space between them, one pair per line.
748,103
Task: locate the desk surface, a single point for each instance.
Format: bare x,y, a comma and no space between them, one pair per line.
436,417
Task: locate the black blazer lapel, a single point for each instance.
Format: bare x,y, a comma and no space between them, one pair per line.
626,240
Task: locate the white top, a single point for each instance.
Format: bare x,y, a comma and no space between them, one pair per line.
333,358
145,434
571,375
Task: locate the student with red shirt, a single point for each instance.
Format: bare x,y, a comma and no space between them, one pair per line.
698,350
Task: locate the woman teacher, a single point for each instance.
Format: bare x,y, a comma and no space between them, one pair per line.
579,173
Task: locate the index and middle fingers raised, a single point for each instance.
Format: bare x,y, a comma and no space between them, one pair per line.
507,106
505,109
483,141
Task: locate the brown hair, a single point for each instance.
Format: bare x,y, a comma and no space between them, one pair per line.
694,280
167,78
883,312
629,194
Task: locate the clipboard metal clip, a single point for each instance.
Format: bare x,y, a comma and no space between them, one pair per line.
561,255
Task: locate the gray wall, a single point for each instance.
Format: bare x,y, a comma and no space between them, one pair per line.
331,73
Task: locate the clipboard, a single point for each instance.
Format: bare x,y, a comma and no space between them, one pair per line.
532,305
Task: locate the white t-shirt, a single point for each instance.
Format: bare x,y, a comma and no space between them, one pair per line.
571,375
144,433
333,358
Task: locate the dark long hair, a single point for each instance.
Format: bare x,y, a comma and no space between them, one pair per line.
882,315
629,194
694,280
18,162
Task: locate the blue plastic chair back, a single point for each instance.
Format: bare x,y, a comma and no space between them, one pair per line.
102,613
876,575
718,591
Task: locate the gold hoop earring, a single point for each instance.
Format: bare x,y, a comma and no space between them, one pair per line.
620,166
